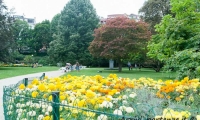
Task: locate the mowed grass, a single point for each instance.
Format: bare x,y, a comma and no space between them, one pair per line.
6,72
134,73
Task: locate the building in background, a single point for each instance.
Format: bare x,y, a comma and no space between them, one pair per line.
131,16
30,21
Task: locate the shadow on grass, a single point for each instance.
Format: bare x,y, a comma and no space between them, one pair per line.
7,68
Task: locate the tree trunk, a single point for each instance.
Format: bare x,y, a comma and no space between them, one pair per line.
120,65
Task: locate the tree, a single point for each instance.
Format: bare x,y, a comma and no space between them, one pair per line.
178,42
153,11
41,37
6,33
119,38
78,19
55,24
22,36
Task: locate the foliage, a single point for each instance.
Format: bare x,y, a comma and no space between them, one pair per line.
29,59
177,41
119,39
6,33
153,10
23,35
77,21
42,37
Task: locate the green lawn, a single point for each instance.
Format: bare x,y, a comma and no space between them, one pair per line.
144,72
6,72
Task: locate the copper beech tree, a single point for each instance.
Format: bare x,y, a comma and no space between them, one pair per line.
119,39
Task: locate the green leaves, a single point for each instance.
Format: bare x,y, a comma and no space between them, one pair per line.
177,41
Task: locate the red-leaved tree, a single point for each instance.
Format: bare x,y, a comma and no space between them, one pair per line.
119,39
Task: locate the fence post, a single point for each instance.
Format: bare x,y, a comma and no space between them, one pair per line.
25,81
55,105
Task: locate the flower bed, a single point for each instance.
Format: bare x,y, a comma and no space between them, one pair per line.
96,97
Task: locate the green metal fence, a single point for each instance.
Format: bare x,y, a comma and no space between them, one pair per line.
19,107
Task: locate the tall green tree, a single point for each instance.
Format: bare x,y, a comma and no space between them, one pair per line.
153,11
6,33
54,24
22,36
178,42
77,22
119,39
42,36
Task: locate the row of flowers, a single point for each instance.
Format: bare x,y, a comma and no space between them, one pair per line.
112,95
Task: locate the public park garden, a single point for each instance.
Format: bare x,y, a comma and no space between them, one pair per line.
164,44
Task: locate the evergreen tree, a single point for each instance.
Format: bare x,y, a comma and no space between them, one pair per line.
77,22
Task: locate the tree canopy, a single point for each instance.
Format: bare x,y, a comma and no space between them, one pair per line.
6,32
178,39
119,38
77,21
153,10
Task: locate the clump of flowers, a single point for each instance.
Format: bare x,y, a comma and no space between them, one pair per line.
110,94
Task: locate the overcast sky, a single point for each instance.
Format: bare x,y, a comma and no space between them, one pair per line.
46,9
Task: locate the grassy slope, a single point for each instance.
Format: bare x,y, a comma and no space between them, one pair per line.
144,72
6,72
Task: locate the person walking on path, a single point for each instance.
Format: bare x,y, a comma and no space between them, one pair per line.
77,66
129,66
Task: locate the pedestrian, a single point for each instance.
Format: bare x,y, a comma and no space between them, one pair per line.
129,66
135,66
77,66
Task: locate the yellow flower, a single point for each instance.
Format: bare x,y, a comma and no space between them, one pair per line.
47,118
81,103
30,86
35,82
22,87
41,87
34,94
62,97
51,86
90,94
50,98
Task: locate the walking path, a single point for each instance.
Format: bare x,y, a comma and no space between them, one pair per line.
14,80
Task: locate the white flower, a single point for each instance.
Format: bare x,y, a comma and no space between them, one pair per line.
49,108
109,96
18,105
117,112
10,107
107,104
28,103
9,112
124,102
11,100
124,97
46,113
18,91
19,111
64,102
115,100
129,110
122,108
22,105
31,113
44,106
132,95
128,90
117,93
37,105
102,117
40,117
